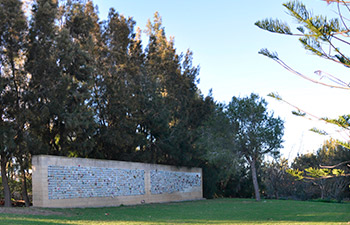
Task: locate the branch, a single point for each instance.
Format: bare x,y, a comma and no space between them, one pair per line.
337,50
327,177
337,1
346,5
274,56
331,78
341,17
300,112
274,26
339,164
303,113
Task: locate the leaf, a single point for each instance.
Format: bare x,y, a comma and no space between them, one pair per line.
320,132
342,121
275,26
301,29
338,172
343,60
344,144
266,52
298,10
298,113
318,173
296,173
275,96
312,45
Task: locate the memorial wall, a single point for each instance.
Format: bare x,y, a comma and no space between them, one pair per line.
80,182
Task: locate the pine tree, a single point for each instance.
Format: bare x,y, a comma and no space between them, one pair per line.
13,29
181,107
61,66
75,44
45,82
116,89
325,38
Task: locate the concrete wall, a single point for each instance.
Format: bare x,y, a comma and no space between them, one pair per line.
77,182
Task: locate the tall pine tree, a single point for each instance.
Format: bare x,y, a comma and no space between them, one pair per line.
13,28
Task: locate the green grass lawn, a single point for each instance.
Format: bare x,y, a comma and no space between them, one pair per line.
217,211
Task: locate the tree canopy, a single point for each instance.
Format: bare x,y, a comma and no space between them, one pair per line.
241,132
74,85
257,131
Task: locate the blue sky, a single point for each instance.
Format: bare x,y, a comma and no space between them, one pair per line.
225,44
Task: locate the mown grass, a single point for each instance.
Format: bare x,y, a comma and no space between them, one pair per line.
217,211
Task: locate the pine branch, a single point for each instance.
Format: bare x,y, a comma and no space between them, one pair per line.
317,174
326,177
301,112
318,131
335,166
331,78
274,56
341,122
341,16
275,26
336,1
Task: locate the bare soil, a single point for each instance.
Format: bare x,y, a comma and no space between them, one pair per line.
29,211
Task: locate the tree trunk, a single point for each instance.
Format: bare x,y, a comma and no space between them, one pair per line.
5,184
276,194
24,189
255,179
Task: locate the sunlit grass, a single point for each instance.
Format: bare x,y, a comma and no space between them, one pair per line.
218,211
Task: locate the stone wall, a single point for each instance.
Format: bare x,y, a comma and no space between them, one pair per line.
76,182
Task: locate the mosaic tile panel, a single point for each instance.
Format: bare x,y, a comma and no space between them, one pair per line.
67,182
170,182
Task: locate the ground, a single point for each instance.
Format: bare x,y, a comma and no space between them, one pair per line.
29,211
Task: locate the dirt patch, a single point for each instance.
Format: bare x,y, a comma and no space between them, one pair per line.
30,211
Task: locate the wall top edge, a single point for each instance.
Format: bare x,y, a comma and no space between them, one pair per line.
53,160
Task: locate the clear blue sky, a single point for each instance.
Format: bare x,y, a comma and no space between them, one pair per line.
225,44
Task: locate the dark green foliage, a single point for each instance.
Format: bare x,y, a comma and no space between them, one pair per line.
13,81
256,132
224,165
234,141
146,103
76,86
274,26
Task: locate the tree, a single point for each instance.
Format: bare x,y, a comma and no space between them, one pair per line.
13,28
75,86
118,96
175,108
59,96
276,180
75,124
44,88
216,142
325,38
257,132
330,184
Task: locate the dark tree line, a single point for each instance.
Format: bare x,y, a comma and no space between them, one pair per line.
74,85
